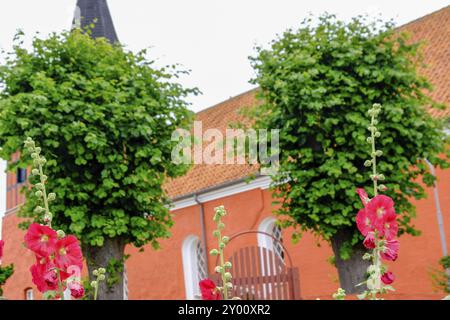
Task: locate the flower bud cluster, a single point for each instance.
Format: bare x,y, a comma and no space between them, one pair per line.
224,266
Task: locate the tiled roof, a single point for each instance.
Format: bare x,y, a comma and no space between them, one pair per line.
97,12
433,29
204,176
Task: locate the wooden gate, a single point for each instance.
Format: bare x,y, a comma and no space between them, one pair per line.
261,274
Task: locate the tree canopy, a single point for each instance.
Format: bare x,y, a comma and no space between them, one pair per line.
317,84
104,118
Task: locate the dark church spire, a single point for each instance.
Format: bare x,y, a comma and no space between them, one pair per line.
96,12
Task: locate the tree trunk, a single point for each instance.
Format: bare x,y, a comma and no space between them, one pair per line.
99,257
351,271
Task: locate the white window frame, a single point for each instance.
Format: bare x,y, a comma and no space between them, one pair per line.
190,267
29,294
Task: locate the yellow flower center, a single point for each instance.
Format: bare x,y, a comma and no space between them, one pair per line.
380,212
44,238
62,251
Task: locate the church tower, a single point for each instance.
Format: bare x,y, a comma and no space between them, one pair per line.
95,12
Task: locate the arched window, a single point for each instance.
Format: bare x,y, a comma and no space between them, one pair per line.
269,226
194,266
29,294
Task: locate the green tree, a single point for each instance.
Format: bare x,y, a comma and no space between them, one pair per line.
317,84
104,118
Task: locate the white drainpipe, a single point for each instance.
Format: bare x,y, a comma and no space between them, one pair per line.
439,216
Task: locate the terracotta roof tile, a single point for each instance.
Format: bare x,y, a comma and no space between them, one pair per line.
433,29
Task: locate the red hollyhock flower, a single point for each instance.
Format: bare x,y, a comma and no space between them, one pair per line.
44,275
390,251
388,278
68,253
209,290
363,196
369,241
2,244
41,239
76,289
382,213
364,222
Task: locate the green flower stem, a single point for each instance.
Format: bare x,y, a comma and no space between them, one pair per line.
222,265
60,286
374,156
44,195
95,291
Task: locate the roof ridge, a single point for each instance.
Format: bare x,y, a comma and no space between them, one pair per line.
424,17
229,99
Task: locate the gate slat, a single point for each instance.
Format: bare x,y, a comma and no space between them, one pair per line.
253,258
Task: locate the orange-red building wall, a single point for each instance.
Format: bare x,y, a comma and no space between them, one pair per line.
159,274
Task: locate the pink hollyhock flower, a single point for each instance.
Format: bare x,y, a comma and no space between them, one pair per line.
76,289
68,253
209,290
364,222
44,275
2,244
388,278
41,239
390,251
363,196
382,213
390,227
369,241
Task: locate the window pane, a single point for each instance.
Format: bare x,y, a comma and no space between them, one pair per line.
21,175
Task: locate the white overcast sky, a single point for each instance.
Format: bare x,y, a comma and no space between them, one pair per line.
211,38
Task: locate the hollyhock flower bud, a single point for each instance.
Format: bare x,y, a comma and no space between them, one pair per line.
367,163
35,172
378,153
61,234
228,265
101,270
369,140
214,252
388,278
76,289
38,209
34,155
38,193
95,272
94,284
51,196
228,276
369,241
378,134
225,239
218,269
216,233
101,277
